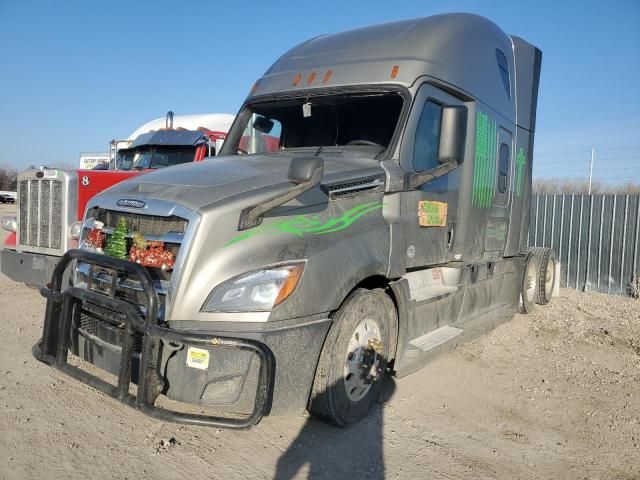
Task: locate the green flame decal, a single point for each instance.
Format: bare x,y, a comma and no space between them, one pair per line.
521,161
302,225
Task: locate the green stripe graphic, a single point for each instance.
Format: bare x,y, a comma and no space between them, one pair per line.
484,169
521,161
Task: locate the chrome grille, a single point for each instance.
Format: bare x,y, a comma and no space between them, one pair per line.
152,225
40,205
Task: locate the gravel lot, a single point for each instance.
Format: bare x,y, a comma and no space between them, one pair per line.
549,395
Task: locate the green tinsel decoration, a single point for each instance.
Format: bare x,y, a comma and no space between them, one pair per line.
117,243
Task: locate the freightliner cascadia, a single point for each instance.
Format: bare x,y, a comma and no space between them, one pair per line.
386,224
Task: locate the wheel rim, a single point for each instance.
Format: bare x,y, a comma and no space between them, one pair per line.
531,277
549,278
362,365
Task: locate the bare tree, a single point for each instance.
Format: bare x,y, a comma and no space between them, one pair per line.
628,188
8,178
554,185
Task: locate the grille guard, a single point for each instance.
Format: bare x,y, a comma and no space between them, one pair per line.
54,346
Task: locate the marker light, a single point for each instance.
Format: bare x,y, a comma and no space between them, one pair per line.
327,76
394,71
311,78
296,80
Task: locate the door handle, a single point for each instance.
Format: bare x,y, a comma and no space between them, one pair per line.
449,235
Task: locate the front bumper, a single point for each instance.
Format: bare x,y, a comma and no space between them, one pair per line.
26,267
253,369
150,376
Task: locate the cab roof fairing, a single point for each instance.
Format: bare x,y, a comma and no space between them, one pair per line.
458,49
169,138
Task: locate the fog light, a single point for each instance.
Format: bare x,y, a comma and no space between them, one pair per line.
10,224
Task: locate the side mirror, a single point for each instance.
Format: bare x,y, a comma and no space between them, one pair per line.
263,124
453,134
304,172
305,169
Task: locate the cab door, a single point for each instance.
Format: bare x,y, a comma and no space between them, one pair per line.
498,222
428,212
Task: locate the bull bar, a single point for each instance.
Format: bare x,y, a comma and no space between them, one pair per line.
54,346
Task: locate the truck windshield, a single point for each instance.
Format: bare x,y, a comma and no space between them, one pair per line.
154,157
362,119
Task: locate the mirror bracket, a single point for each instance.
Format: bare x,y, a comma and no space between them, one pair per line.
252,216
415,180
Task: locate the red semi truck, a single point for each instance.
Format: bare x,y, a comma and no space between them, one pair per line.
51,202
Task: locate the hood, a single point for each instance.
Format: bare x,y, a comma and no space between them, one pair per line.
196,185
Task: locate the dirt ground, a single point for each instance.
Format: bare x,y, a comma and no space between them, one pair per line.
549,395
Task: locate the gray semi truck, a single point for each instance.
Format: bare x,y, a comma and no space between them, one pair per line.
369,210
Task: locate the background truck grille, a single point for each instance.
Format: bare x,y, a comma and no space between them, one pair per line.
40,206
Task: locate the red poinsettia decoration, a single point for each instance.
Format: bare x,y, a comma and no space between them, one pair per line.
152,254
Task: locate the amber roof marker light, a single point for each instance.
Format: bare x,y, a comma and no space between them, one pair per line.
394,71
327,76
312,78
296,80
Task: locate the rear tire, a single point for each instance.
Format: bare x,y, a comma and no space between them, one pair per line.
354,358
529,287
546,273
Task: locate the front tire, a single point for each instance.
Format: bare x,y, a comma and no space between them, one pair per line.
354,358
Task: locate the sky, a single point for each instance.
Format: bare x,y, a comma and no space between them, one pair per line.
75,74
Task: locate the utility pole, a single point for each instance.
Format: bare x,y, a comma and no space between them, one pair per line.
593,154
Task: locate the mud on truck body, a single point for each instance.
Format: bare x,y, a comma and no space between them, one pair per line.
51,202
387,224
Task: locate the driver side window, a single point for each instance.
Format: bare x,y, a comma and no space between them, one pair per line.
427,139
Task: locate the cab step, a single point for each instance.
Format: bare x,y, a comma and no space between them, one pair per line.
435,338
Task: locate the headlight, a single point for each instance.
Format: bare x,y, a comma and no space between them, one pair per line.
257,291
9,224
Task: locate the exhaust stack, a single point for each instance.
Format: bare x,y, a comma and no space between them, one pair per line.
169,122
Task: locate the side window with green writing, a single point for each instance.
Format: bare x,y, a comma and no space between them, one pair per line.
427,140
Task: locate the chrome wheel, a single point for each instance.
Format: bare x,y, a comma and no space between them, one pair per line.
362,366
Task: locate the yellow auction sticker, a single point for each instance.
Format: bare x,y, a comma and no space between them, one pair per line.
197,358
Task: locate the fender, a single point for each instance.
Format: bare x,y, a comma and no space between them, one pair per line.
10,241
